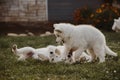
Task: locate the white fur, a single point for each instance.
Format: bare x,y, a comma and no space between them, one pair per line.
84,57
23,53
80,38
41,54
44,54
116,25
78,57
59,56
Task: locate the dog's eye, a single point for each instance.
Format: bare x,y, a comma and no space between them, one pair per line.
57,35
52,59
51,52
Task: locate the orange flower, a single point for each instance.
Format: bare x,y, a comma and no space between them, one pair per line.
99,10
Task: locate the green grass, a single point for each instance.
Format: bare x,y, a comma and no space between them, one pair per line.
11,69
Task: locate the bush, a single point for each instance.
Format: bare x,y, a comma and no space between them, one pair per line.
82,15
102,17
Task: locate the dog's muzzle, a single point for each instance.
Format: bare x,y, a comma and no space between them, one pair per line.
62,42
52,59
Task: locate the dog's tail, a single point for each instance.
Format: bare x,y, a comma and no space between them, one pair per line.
109,51
14,48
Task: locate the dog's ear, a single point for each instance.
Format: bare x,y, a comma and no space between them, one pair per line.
12,50
56,28
57,51
59,31
14,47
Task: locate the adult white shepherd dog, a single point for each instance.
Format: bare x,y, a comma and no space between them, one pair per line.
80,38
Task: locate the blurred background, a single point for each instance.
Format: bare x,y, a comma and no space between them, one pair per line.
38,16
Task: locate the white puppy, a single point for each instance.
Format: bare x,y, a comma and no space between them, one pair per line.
45,54
80,38
59,56
41,54
23,53
116,25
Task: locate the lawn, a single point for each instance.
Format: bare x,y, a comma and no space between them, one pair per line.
11,69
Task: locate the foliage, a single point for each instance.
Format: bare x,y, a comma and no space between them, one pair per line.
11,69
102,17
82,15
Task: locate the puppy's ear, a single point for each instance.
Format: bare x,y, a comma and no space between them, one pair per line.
59,31
14,47
57,28
12,50
57,51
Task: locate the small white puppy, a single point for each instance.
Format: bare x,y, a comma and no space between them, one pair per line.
116,25
23,53
45,54
41,54
59,56
78,38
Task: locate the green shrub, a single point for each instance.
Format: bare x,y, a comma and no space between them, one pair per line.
101,18
82,15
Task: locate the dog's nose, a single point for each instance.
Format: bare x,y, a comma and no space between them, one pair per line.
52,59
51,52
63,41
69,56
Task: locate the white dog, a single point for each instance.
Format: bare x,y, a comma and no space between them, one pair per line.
46,53
58,56
41,54
116,25
80,38
23,53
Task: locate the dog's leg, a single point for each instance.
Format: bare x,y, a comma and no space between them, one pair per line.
70,53
100,53
78,52
66,52
92,54
35,56
22,58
